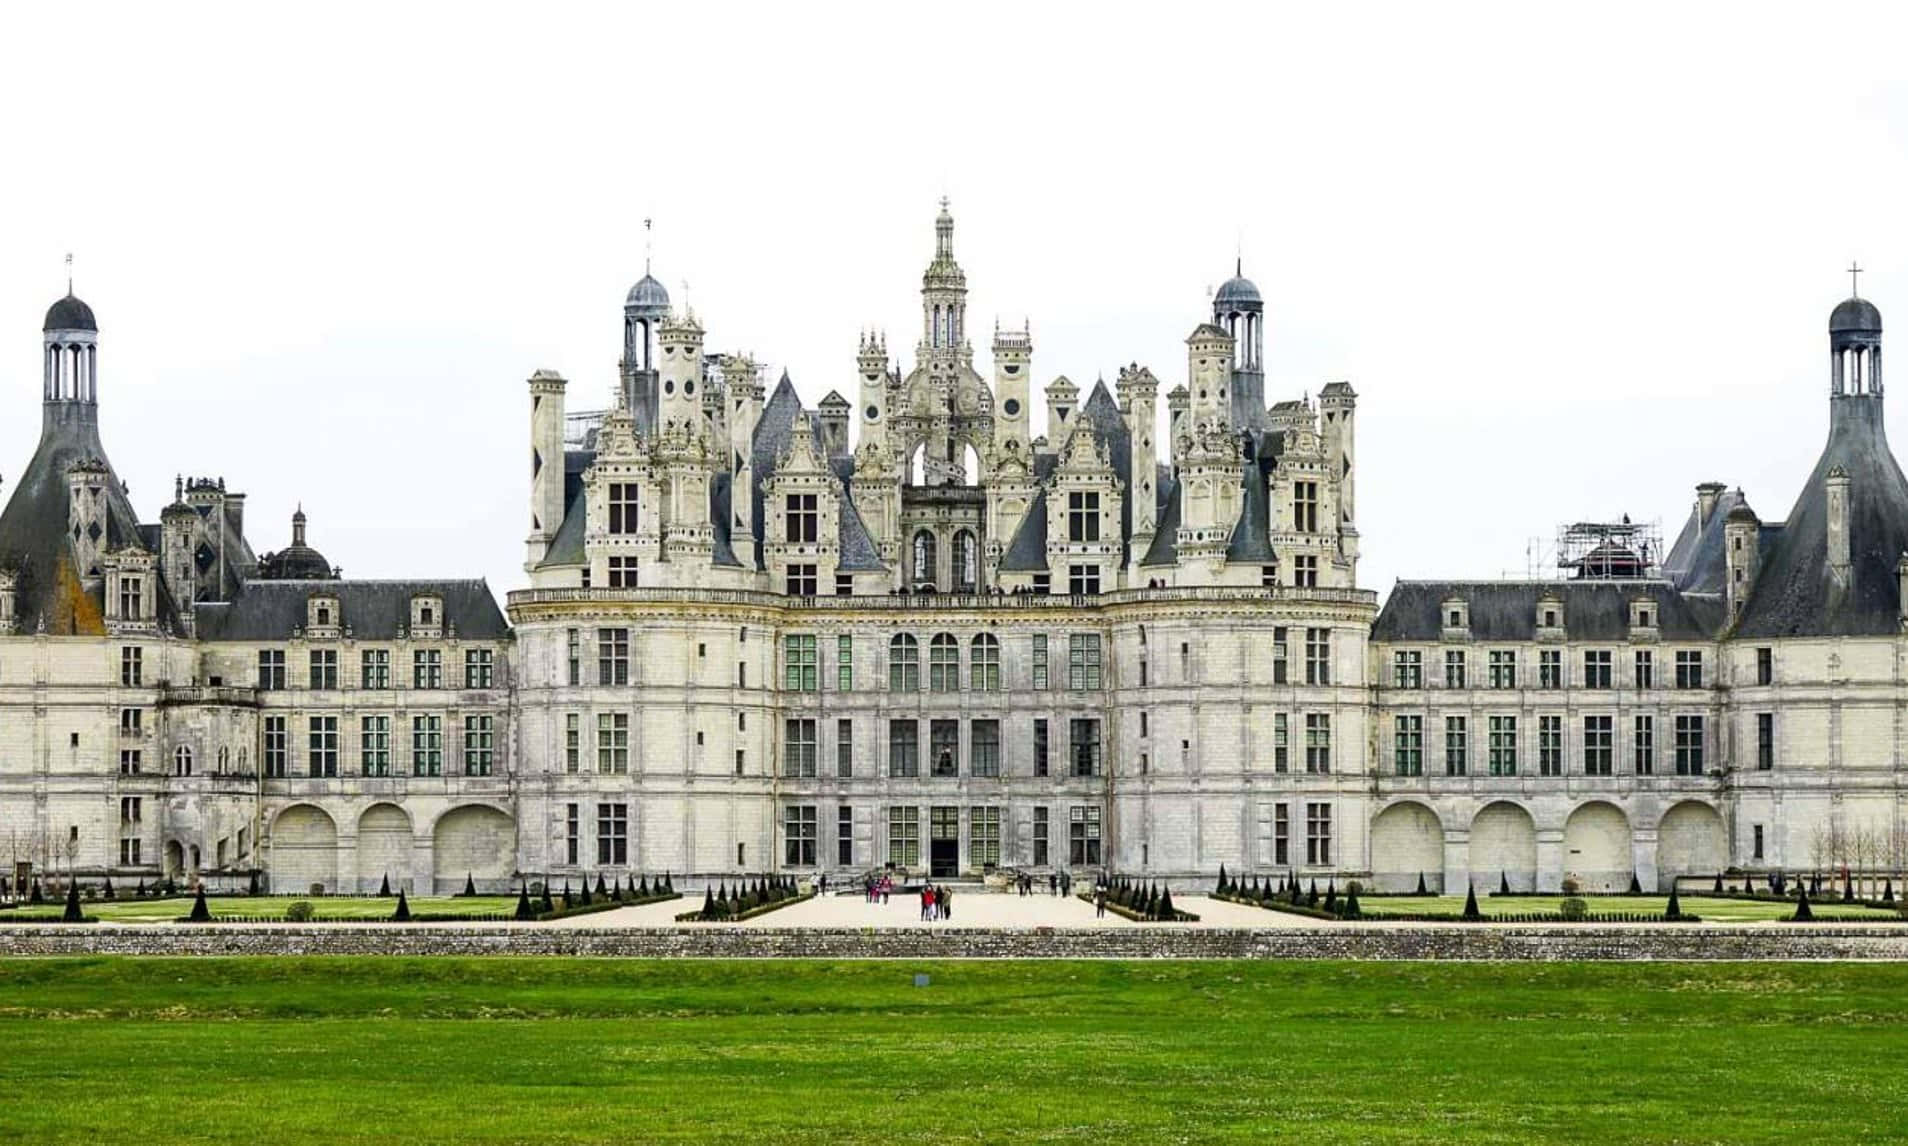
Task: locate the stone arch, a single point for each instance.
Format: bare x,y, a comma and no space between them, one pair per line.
1597,847
1503,846
1407,839
175,860
384,847
475,841
304,849
1690,840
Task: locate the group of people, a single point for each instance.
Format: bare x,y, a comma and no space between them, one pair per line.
878,888
1058,883
937,903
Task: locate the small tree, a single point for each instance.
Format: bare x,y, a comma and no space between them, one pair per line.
1352,910
524,910
1331,896
1636,885
584,899
1422,890
1311,896
140,891
1675,908
1221,887
1888,891
470,885
1166,910
569,901
73,913
616,891
1803,914
403,912
384,887
708,903
1503,882
1718,890
548,905
1748,885
1471,913
107,891
251,885
642,889
200,912
36,897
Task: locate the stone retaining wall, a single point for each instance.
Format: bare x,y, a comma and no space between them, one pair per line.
719,942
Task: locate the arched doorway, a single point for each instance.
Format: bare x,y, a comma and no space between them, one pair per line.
1690,841
1503,846
175,860
1407,840
1597,848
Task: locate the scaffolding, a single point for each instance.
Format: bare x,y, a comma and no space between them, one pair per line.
1610,550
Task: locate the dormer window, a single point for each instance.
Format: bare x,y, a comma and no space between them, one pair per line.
427,614
322,613
1643,615
1456,615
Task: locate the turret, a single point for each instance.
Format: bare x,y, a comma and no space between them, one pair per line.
834,425
546,463
1178,419
680,404
1209,366
1742,556
1337,408
177,526
1139,398
871,363
1013,361
743,377
644,309
1240,312
1063,398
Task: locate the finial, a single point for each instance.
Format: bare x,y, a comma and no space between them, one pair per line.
646,246
178,487
69,274
1854,277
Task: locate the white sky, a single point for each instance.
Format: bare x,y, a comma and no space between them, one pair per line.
1573,264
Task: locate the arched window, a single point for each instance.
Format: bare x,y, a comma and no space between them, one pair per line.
904,664
966,563
225,759
924,558
944,663
182,761
983,665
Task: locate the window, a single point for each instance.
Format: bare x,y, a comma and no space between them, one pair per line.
1407,669
904,836
1550,752
803,581
1268,576
1305,571
575,639
1040,837
1457,746
1040,660
1305,506
1596,668
323,758
1689,668
1083,661
623,498
798,835
944,663
622,572
612,743
1281,834
271,669
427,746
1765,741
1040,746
1281,743
1765,666
1599,743
1644,746
845,836
983,837
1083,745
374,745
1454,668
1645,668
1503,668
1503,745
374,669
129,852
1318,743
1318,834
983,663
741,760
182,761
1278,656
844,748
1758,841
1550,668
799,748
966,562
131,722
427,668
1318,656
944,747
984,747
1083,517
801,670
1083,835
277,746
570,833
1043,583
1408,745
1083,580
904,748
129,597
904,664
612,656
844,663
1145,724
802,519
479,735
924,558
612,834
1689,746
129,761
324,668
129,808
132,669
478,668
844,584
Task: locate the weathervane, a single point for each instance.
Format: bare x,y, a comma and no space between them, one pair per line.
647,248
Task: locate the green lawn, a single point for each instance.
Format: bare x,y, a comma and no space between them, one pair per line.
167,910
1711,910
508,1050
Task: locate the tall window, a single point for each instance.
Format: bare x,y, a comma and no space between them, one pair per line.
944,663
844,836
801,669
1550,668
570,833
1645,745
803,580
612,656
944,747
904,748
1040,660
427,746
572,742
1454,668
612,742
1318,656
575,642
798,748
1281,834
966,562
844,663
984,747
479,744
1040,746
1765,666
1279,652
324,668
1318,743
904,663
1407,669
1408,745
1083,517
182,760
1305,571
1550,752
1305,506
1596,668
271,669
132,666
983,664
1503,668
479,668
1083,835
277,746
1689,746
1281,743
1083,746
1645,669
983,837
904,836
374,669
612,834
1765,741
1040,840
427,668
622,507
844,748
623,572
1318,834
1503,745
129,595
374,745
798,835
802,519
1083,580
1689,668
924,557
1599,745
1083,661
323,760
1457,746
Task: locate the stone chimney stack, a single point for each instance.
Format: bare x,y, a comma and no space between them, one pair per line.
1707,495
1838,541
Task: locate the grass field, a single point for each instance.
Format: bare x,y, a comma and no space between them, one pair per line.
507,1050
167,910
1711,910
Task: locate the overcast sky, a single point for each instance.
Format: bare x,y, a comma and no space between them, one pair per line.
1572,266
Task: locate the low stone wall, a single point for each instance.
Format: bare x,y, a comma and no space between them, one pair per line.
716,941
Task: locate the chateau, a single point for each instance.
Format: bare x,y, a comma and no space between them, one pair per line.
752,640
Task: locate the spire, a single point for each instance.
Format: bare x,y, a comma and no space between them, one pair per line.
648,246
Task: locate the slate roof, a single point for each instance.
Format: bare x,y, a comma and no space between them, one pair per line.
1027,552
372,610
566,548
1165,547
1251,541
70,313
1696,562
1507,610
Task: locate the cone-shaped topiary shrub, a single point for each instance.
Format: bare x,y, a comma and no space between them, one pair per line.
631,880
1503,883
1636,885
1422,890
708,903
1166,909
569,901
36,896
602,891
140,891
403,912
200,912
251,886
1802,912
470,885
616,891
1748,886
1848,891
1311,895
642,889
1222,886
1675,908
1471,913
524,910
384,889
107,891
584,899
1352,910
548,905
1297,896
1719,887
1888,892
1265,893
73,913
669,884
1331,896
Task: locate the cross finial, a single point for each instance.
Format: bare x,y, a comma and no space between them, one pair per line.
1854,279
69,273
647,250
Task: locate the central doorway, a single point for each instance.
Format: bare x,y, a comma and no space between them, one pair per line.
944,841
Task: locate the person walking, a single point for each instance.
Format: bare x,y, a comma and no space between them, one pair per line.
1053,884
946,900
1099,904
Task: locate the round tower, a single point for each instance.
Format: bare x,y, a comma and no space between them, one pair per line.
1855,330
71,337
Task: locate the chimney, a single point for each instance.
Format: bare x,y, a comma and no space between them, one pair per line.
1901,581
1838,547
1707,495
